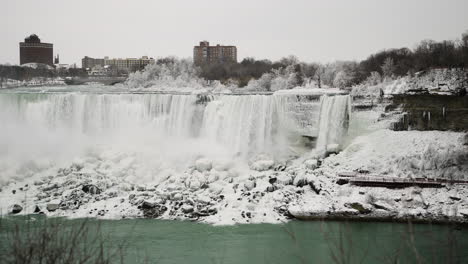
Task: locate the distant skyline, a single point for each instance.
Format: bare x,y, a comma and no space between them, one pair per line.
320,31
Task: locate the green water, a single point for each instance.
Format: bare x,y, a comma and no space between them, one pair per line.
295,242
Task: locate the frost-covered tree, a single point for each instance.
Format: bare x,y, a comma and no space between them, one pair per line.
342,80
388,68
285,78
309,69
464,39
319,73
290,60
374,78
262,84
167,73
277,79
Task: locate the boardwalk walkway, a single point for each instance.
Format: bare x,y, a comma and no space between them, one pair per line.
370,180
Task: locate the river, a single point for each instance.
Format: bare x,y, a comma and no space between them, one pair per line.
160,241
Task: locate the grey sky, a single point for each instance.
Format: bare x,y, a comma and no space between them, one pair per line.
313,30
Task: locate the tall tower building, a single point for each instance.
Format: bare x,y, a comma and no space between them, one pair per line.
204,53
33,50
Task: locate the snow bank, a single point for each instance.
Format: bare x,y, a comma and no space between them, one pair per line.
218,191
405,154
436,81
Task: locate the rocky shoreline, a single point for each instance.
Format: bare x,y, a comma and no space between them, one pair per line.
436,220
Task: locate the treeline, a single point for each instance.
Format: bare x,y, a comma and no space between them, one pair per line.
242,72
21,73
388,63
290,71
427,54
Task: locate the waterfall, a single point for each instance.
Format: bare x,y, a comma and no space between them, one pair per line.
333,122
166,129
246,125
103,113
249,125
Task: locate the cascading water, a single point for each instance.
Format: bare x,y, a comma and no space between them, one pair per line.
166,131
333,122
53,129
249,125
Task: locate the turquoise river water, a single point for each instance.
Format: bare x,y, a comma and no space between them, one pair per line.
156,241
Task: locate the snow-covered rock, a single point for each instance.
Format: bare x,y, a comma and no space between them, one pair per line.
203,164
51,207
333,148
187,208
249,185
262,165
311,164
15,209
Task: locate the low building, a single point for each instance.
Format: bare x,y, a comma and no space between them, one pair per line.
204,53
89,63
99,70
125,65
129,64
62,66
32,50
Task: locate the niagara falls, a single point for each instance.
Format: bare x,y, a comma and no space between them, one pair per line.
233,132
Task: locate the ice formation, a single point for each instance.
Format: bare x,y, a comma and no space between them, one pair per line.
435,81
216,158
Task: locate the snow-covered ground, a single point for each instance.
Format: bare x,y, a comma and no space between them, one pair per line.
436,81
429,154
216,191
405,154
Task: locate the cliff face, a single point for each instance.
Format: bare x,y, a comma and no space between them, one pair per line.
431,112
431,100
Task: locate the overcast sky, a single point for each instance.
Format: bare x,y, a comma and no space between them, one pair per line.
313,30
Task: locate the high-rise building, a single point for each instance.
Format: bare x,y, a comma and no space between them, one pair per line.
204,53
33,50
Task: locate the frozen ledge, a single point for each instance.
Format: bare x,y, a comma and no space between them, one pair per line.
312,91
